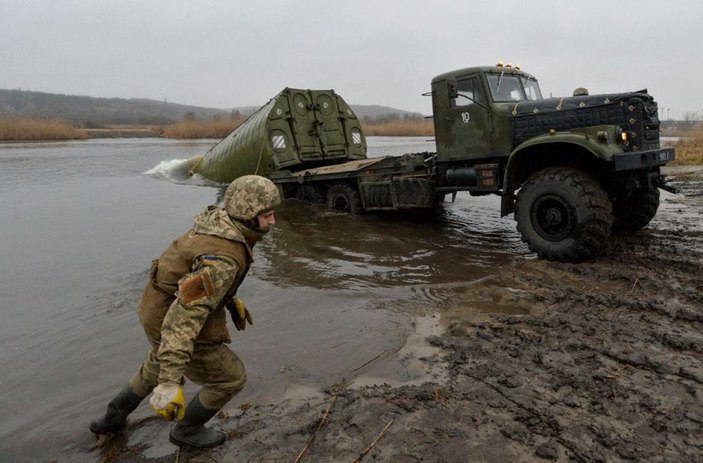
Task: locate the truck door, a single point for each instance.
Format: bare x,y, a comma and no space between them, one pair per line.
303,124
464,130
332,138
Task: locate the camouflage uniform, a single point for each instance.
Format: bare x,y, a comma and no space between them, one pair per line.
183,313
182,308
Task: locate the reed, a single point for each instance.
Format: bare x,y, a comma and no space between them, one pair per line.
689,149
33,129
399,128
214,128
220,128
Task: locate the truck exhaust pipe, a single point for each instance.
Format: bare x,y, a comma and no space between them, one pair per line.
461,176
482,176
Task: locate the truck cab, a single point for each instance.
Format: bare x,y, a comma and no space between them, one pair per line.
471,108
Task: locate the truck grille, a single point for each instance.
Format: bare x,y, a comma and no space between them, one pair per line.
646,125
635,112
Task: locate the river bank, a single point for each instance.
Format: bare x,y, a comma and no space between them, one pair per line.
539,361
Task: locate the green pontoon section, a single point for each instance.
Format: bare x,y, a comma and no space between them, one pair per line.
296,129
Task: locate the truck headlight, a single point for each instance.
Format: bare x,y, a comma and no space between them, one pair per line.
621,136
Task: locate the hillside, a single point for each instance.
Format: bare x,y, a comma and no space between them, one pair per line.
95,112
86,111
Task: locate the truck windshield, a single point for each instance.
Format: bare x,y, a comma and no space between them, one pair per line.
531,89
505,87
513,88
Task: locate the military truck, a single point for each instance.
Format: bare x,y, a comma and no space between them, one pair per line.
572,169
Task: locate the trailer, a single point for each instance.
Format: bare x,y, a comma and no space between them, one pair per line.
296,129
387,183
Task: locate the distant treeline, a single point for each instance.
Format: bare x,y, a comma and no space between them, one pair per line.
118,117
89,112
92,113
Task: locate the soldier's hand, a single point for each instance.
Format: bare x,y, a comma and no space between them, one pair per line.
168,401
240,314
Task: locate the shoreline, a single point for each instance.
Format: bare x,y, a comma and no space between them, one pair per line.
541,361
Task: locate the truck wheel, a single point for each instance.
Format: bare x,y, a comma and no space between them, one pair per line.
343,197
287,190
310,193
635,212
563,214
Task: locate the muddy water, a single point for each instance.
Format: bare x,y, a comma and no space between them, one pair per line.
329,292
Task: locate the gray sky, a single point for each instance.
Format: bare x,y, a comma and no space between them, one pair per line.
229,53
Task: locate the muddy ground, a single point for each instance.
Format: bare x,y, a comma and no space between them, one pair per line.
543,361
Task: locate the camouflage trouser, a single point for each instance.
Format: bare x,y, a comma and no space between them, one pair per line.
214,366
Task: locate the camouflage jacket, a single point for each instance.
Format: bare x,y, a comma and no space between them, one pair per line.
189,285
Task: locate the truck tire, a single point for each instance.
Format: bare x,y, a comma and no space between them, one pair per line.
287,190
636,211
343,197
310,193
563,214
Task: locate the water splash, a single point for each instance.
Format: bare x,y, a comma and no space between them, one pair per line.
180,171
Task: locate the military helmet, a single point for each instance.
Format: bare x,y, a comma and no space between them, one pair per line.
249,196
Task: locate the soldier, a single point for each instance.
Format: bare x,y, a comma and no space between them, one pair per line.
182,311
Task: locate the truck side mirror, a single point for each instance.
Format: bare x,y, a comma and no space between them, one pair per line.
452,89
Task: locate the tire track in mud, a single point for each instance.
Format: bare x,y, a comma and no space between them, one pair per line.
615,358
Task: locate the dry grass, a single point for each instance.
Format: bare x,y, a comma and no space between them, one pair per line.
125,131
222,127
215,128
689,150
29,129
400,128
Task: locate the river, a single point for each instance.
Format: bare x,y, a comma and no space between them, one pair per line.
81,222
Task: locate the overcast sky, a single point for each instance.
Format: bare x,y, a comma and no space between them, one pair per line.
230,53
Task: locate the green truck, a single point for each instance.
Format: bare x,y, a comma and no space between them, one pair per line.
572,170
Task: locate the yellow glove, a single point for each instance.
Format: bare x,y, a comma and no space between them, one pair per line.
168,401
240,314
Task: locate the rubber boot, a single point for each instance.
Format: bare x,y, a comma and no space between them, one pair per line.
190,430
115,418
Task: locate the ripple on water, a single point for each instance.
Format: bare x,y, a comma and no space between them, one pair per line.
312,246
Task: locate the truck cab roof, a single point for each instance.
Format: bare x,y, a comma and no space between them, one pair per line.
482,70
496,84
